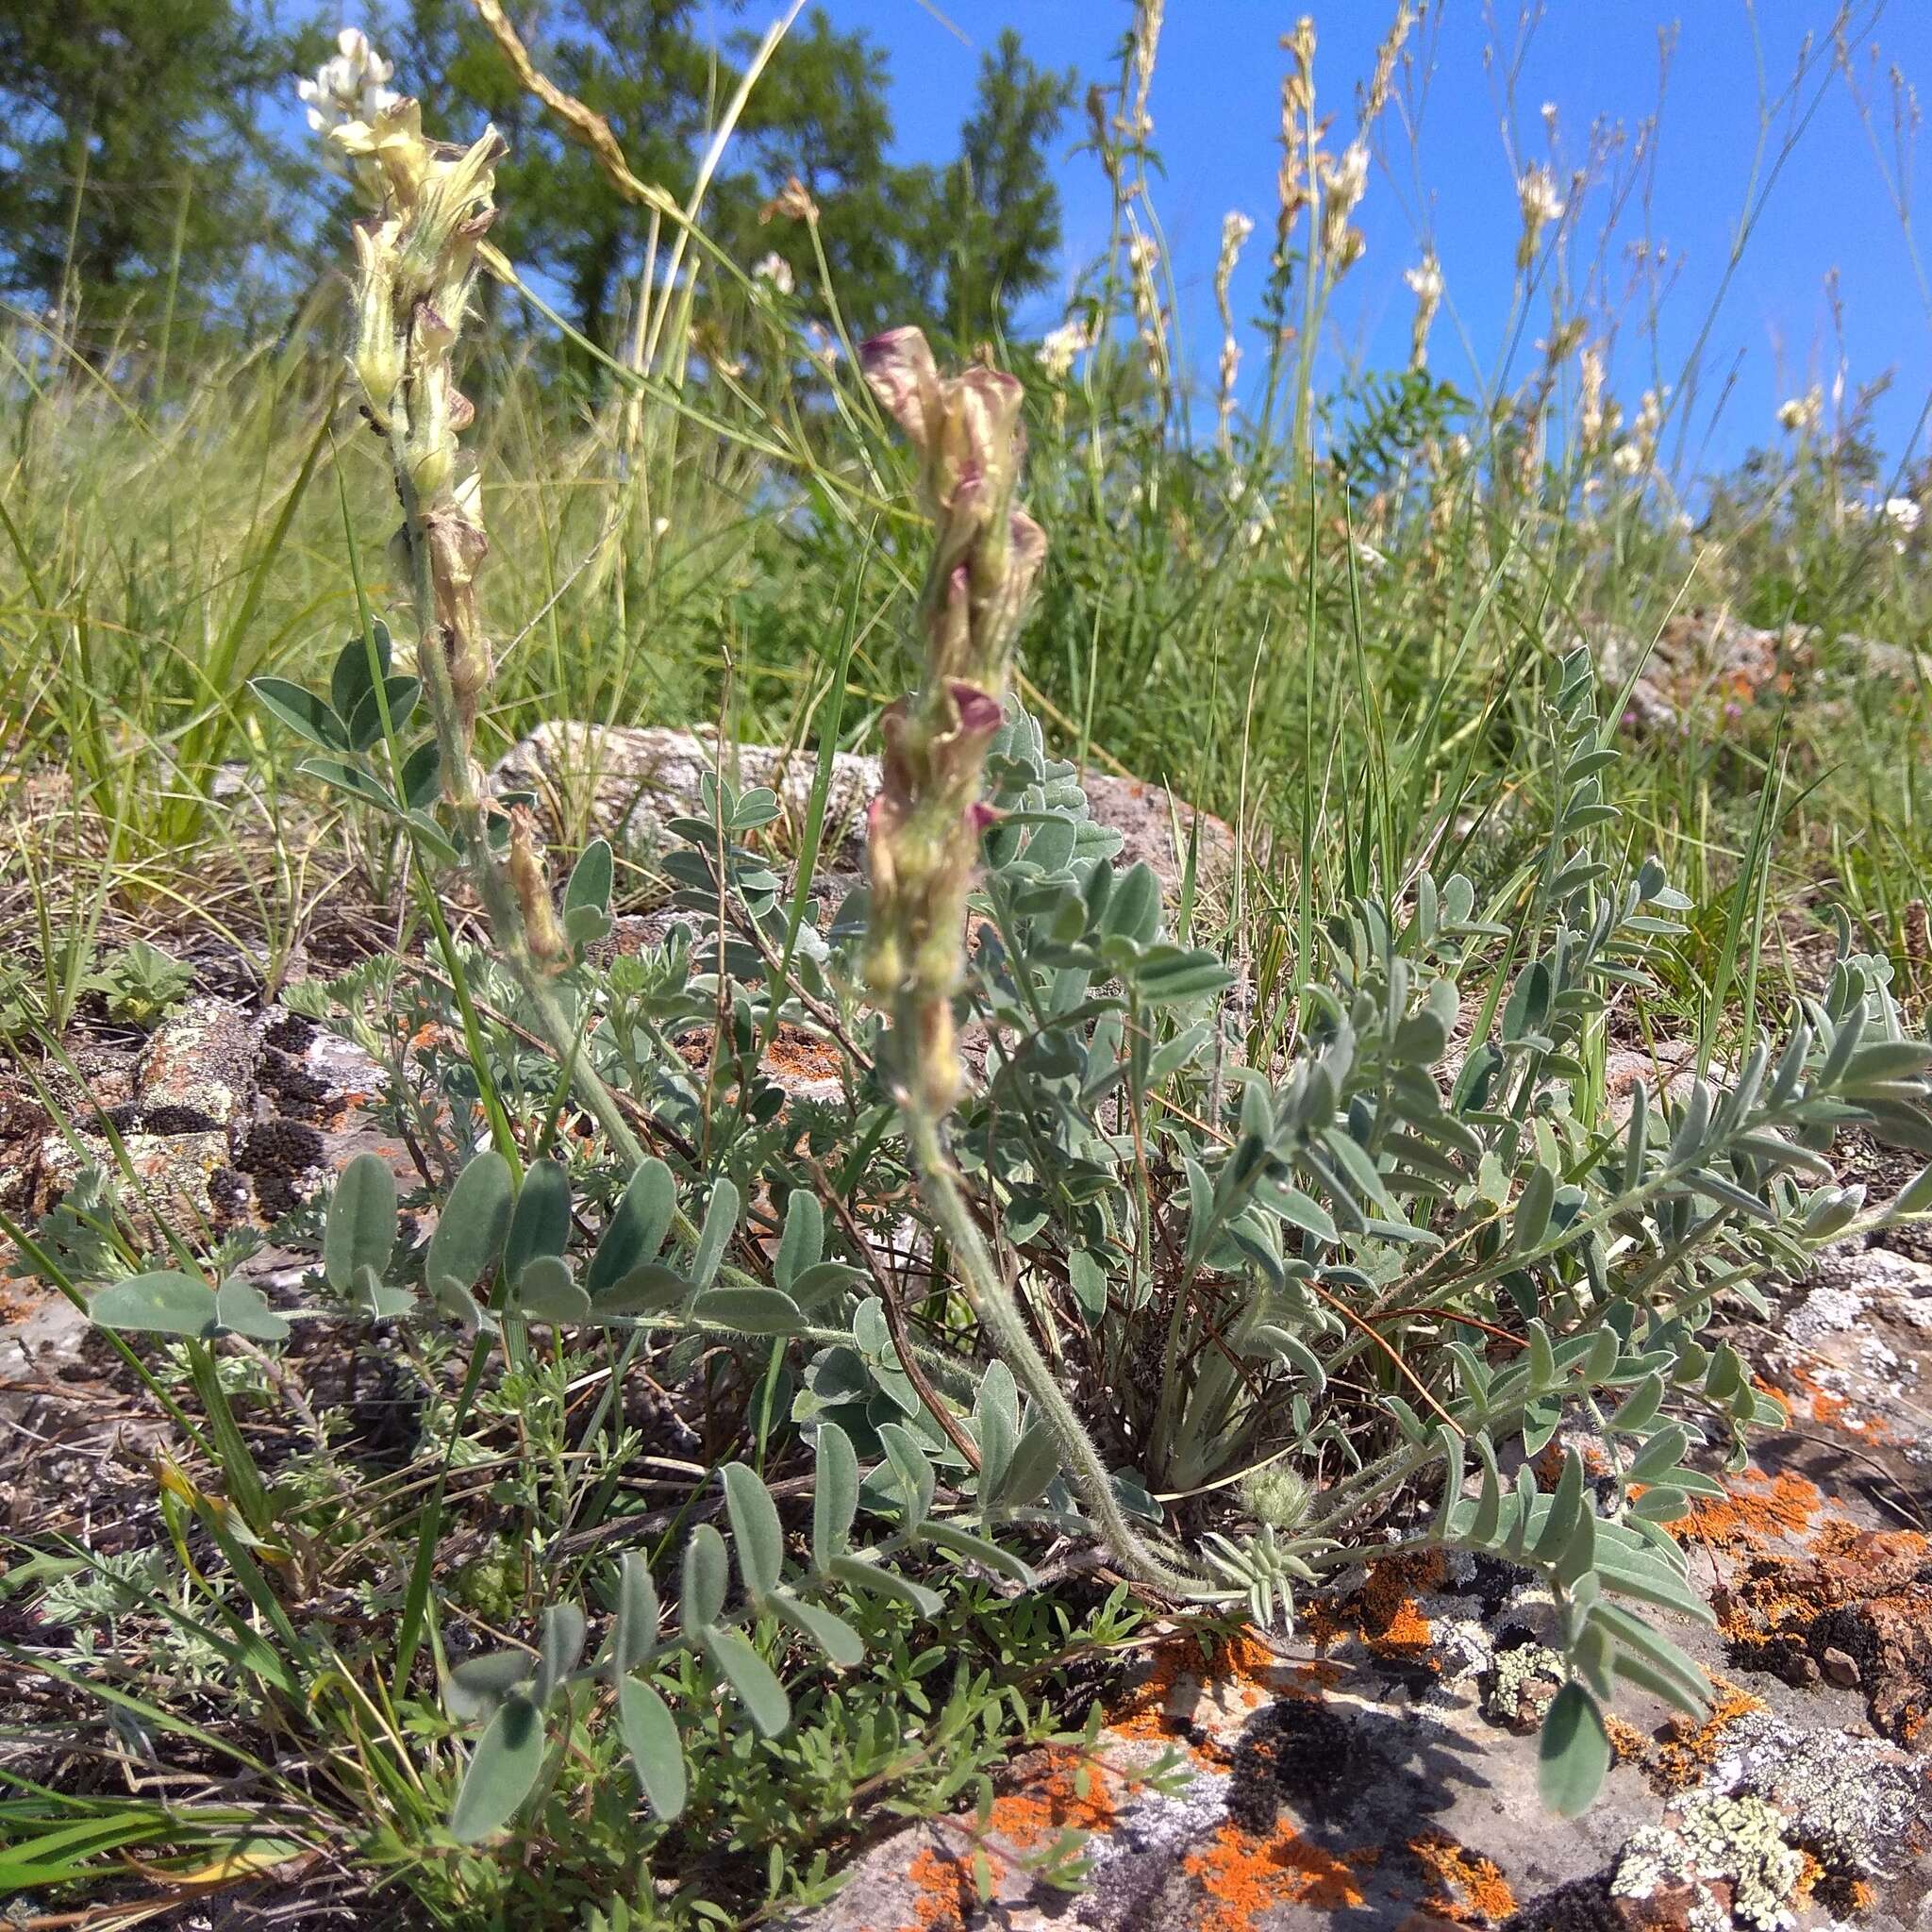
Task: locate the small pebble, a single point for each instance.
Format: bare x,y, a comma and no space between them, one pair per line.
1841,1668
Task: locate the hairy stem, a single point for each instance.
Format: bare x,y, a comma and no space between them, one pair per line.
993,1303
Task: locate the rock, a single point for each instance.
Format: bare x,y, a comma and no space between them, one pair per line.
172,1177
199,1067
1369,1778
1706,666
1155,827
227,1117
1841,1668
626,781
1890,1637
24,1127
1861,1607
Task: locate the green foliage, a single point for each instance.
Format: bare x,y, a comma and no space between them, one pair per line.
1272,1240
135,171
139,982
713,1515
999,218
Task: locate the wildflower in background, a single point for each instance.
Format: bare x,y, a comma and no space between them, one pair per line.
1235,229
774,269
1901,516
1425,283
1138,123
1142,258
416,261
923,830
1297,101
791,204
822,346
1343,182
1801,415
1060,347
353,84
1589,416
349,89
1635,455
1536,194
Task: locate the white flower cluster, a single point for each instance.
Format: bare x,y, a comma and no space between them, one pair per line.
1635,454
774,269
1426,279
1345,180
1426,282
1536,195
351,86
1801,415
1058,347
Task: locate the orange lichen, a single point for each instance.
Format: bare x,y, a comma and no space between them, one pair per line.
1754,1511
1781,1596
1244,1874
1063,1791
1809,1875
1891,1550
801,1055
1626,1740
1053,1800
1685,1750
1807,1397
1241,1675
1315,1676
942,1891
1383,1615
1466,1888
1146,1713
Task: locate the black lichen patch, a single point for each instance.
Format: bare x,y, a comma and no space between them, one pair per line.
228,1191
1584,1905
135,1118
385,1411
1299,1751
281,1156
299,1092
289,1033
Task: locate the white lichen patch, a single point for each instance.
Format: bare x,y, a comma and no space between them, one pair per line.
1850,1801
1518,1671
1828,1309
1738,1841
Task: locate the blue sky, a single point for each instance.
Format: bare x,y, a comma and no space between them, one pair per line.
1215,108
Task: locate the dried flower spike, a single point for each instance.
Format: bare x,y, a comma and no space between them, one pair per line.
925,823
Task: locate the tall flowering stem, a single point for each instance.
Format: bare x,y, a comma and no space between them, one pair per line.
416,260
924,829
925,823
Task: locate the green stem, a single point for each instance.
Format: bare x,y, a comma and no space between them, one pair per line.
993,1303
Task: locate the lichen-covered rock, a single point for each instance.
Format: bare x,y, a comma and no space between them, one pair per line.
1865,1595
1522,1686
626,781
172,1177
1704,667
1853,1804
1725,1857
201,1065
